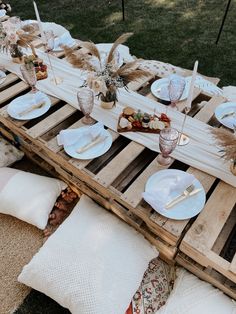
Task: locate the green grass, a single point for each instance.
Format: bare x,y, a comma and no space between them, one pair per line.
174,31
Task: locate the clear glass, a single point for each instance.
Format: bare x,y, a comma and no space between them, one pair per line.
29,75
85,98
176,88
167,142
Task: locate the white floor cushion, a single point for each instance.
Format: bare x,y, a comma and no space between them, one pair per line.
194,296
8,153
28,196
92,264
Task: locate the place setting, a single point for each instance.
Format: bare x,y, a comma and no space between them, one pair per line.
175,194
31,105
89,141
226,114
2,77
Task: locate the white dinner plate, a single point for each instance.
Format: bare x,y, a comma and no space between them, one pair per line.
83,138
185,209
2,77
223,109
163,83
2,13
22,103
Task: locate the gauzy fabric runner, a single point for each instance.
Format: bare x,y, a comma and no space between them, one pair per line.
200,153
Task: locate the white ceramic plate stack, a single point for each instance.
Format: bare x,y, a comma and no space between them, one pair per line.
20,108
84,137
226,114
185,209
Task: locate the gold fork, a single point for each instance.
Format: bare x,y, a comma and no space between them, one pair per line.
185,193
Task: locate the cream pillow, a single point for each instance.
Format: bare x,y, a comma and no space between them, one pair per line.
28,196
8,153
92,264
194,296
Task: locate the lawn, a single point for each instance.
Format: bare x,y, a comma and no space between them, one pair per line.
174,31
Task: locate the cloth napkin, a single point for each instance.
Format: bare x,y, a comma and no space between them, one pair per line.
206,86
159,196
70,137
229,92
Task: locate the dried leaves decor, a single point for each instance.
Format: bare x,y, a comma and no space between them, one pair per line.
109,74
227,141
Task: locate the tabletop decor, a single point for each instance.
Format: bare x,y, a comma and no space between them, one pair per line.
5,6
167,143
108,74
227,141
13,38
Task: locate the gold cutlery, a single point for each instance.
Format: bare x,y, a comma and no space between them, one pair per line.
228,114
98,139
182,197
36,106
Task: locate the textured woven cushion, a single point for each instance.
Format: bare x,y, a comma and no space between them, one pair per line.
28,196
8,153
194,296
92,264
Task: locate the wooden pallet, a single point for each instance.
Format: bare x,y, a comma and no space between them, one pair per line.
119,176
209,234
208,274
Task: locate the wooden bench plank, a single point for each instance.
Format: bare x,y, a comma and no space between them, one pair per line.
232,267
204,232
108,174
51,121
12,91
10,78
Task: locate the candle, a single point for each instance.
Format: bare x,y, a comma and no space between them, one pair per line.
190,94
39,23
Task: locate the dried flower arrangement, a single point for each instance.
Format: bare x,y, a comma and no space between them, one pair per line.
227,141
13,37
106,77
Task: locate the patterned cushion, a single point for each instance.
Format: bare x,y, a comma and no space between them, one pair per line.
8,153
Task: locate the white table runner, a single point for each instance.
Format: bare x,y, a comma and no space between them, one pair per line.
200,153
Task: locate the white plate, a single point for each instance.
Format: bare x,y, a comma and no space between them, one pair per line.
84,138
24,102
2,13
186,209
163,83
222,110
2,77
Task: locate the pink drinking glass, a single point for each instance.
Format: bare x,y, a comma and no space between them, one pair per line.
167,142
176,88
85,98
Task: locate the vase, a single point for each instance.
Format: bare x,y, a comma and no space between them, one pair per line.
107,104
233,167
16,53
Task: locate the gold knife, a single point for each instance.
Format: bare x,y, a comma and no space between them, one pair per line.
98,139
181,198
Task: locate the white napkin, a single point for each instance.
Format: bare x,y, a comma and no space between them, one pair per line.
229,92
159,196
64,39
123,50
70,137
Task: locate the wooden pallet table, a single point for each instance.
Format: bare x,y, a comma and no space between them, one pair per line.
118,177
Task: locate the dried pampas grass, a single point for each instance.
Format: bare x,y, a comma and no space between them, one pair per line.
120,40
78,59
227,141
